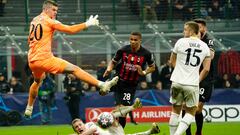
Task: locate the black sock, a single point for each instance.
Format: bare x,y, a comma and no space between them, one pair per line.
188,131
183,113
199,122
131,116
122,121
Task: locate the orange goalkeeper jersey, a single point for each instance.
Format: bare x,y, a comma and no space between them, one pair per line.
41,33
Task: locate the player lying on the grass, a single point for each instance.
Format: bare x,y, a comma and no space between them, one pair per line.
107,123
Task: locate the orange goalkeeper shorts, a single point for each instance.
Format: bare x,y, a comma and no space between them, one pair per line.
52,65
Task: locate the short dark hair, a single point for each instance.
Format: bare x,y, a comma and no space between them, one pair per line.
49,2
193,26
200,20
137,34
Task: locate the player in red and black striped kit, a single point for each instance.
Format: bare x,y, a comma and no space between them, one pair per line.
207,85
131,61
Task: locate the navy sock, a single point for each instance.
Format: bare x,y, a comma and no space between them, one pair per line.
122,121
188,131
199,122
183,113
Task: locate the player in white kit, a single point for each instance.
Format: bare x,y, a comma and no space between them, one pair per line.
107,123
187,56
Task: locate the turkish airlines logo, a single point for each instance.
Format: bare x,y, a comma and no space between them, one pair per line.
93,114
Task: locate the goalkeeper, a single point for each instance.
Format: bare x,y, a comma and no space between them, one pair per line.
41,58
107,123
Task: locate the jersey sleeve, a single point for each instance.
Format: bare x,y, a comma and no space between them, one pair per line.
59,26
208,52
53,23
56,25
175,48
211,44
118,55
150,59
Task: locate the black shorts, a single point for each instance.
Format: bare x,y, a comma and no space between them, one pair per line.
205,91
124,93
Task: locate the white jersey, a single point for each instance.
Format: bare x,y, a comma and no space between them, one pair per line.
190,54
118,130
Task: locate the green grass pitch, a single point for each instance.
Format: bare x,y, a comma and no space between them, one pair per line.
223,128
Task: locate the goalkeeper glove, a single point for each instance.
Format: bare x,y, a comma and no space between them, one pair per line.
92,21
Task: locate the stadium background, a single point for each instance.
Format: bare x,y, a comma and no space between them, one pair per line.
117,18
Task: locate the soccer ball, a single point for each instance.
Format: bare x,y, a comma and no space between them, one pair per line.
105,120
208,119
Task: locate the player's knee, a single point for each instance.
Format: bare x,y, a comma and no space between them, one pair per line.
177,109
39,81
71,69
191,110
200,107
199,110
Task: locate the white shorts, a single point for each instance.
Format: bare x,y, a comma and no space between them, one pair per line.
184,93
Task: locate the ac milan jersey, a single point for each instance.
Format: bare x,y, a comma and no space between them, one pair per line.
127,60
190,54
205,38
209,78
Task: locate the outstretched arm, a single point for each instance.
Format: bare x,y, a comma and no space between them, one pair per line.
72,29
109,69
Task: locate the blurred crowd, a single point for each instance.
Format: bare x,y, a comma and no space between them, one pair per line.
154,10
10,86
